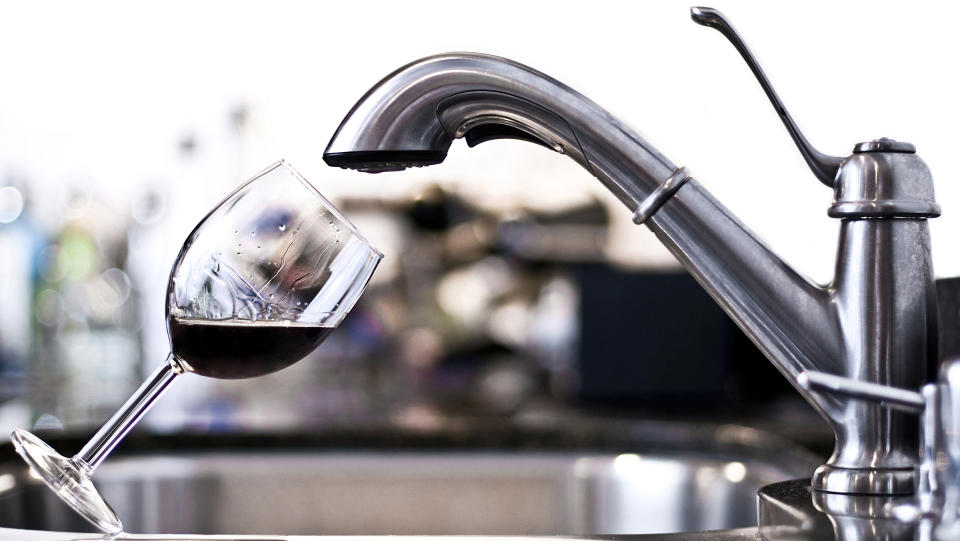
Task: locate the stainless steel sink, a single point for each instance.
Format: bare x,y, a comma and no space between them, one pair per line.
415,493
443,490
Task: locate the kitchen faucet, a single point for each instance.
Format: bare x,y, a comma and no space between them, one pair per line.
875,322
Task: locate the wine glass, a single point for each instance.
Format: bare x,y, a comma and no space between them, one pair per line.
258,284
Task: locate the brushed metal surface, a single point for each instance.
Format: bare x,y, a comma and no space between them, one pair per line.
875,322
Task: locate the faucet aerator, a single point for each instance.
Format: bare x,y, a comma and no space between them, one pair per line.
381,161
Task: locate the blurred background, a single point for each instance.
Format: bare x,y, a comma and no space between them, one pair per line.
513,284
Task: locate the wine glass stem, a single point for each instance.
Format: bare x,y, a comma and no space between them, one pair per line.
117,427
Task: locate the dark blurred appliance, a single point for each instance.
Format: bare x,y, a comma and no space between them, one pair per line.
658,339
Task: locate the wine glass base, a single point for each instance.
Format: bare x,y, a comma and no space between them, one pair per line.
67,481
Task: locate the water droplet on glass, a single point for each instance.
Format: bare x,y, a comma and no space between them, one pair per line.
283,227
253,233
271,295
258,247
235,231
239,253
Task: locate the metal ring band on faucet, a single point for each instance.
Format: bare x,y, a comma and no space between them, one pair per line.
649,206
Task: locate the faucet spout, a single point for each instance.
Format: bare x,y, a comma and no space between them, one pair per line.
411,117
876,322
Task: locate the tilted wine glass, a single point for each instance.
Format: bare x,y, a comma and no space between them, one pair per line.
258,284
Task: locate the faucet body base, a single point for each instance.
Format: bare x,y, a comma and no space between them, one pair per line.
885,300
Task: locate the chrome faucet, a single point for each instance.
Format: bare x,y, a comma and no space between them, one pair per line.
875,323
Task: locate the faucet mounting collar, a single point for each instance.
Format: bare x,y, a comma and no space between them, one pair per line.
658,197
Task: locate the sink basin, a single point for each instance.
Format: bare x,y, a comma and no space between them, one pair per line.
440,483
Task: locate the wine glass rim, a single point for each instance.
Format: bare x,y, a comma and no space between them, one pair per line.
326,202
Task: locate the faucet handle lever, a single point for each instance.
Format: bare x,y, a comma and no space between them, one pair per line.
824,167
893,397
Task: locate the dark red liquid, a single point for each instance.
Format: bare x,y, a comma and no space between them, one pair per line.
241,349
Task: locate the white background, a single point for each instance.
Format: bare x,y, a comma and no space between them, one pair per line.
98,94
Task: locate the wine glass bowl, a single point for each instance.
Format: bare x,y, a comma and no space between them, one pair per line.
262,280
259,283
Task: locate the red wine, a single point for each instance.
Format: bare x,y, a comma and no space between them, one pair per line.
234,349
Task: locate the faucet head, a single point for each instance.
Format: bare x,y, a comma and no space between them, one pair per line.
394,125
410,118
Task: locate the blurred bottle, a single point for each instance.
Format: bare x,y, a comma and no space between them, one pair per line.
87,352
20,240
